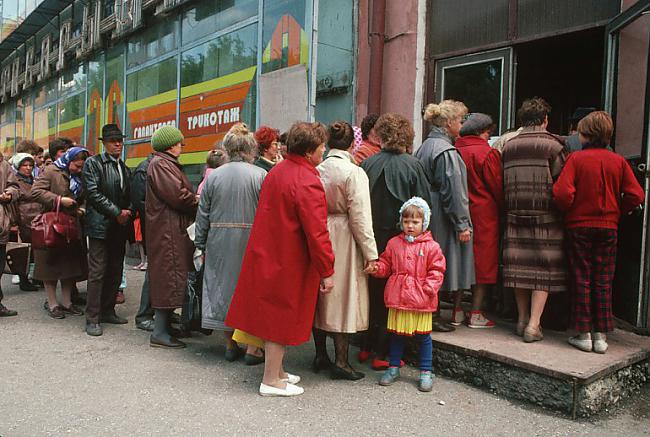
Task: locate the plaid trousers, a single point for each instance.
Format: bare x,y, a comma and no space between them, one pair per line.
592,258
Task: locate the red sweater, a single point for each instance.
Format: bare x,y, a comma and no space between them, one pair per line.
595,187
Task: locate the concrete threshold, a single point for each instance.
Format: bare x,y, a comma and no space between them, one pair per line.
550,373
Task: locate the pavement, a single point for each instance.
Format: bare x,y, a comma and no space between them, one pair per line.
56,380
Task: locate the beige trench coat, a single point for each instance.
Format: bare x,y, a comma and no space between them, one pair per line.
349,222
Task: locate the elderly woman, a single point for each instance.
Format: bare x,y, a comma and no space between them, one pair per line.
61,183
170,207
19,187
451,224
289,254
268,141
223,225
394,177
485,188
344,311
534,263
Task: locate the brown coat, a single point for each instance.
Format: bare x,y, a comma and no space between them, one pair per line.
26,208
55,264
5,210
170,207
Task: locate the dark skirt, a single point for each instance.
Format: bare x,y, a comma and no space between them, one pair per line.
57,264
534,258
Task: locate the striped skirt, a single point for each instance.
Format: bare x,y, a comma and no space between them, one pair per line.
534,257
409,323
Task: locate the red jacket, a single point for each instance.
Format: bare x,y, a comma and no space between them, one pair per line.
595,187
485,189
365,151
288,252
415,273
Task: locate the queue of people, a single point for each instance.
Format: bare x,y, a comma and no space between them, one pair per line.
372,233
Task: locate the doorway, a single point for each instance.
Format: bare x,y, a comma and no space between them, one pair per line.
567,71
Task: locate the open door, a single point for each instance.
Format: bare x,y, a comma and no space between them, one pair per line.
481,80
626,93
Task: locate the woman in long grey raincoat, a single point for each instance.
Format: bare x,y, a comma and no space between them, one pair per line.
451,225
223,224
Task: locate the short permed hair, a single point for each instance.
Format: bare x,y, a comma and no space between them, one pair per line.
265,136
305,137
396,132
533,112
597,128
28,146
368,122
239,142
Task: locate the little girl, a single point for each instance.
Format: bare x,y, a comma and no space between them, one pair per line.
415,267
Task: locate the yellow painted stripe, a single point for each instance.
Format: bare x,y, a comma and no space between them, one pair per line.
241,76
79,122
44,133
186,158
304,48
266,54
158,99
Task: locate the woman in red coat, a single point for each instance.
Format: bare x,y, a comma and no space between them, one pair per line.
485,189
289,254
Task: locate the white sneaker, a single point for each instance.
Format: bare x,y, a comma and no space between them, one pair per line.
291,379
600,343
457,317
582,344
15,279
290,390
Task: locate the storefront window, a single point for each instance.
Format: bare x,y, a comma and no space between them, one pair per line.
151,100
218,89
7,129
114,86
71,117
209,17
285,41
45,125
94,109
152,43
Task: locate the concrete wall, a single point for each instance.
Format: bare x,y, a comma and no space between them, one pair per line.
403,72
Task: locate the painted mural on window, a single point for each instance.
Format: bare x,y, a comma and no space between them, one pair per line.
94,111
285,41
70,120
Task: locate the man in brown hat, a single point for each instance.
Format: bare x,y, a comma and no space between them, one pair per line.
108,221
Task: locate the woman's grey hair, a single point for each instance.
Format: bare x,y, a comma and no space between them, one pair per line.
240,142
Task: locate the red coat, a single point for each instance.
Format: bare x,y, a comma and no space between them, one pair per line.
485,189
415,273
595,187
288,252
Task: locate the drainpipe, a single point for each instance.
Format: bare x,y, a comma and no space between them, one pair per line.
376,37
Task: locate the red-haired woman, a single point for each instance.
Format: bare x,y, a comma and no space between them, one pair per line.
268,141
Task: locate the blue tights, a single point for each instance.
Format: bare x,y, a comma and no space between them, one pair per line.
426,350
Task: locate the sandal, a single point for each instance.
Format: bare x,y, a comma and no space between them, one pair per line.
56,312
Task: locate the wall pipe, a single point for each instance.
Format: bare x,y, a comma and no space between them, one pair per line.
377,38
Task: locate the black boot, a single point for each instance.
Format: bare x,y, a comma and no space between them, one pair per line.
25,285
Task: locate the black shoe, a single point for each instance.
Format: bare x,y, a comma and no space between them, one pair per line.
253,360
321,363
113,319
94,329
172,343
6,312
440,326
337,372
233,353
145,325
25,285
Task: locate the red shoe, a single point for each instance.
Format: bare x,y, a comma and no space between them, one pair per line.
378,364
119,298
364,356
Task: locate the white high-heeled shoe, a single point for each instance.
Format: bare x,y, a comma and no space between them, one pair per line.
289,390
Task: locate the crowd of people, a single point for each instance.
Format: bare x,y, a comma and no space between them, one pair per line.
335,230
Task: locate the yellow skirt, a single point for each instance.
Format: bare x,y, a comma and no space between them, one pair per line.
404,322
247,339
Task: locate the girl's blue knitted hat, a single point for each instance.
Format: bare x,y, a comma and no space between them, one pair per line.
420,203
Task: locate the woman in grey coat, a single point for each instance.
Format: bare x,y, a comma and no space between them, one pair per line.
223,224
451,225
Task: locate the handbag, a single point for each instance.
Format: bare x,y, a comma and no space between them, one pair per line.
17,258
54,229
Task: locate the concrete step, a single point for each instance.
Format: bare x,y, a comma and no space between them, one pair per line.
550,373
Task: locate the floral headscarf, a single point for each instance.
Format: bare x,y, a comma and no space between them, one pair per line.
64,163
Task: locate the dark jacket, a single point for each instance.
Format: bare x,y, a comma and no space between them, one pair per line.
26,208
139,186
105,197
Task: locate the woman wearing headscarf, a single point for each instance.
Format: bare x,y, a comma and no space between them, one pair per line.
451,224
344,311
170,207
223,225
394,177
25,208
61,183
289,254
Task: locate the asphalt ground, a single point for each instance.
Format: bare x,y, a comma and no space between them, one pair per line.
56,380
